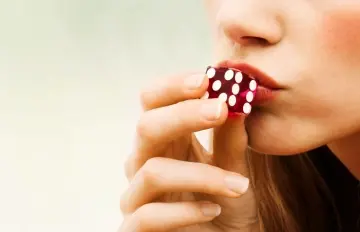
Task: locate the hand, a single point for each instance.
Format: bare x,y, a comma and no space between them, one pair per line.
175,184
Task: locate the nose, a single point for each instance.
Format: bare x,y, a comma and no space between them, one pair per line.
248,22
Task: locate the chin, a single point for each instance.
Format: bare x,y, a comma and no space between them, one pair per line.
273,135
274,148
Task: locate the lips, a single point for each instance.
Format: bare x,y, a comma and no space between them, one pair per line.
267,89
264,81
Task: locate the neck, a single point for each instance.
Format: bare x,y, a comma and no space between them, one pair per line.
348,151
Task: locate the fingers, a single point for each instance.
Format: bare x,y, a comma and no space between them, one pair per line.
230,144
172,90
163,175
230,140
170,216
158,127
165,124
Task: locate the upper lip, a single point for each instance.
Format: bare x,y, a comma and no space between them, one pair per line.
262,78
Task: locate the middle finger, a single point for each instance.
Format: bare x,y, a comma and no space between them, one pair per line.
158,127
163,175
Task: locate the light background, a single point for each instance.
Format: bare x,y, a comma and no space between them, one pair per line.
70,72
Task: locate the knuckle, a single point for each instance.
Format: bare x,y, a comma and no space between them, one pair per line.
129,167
149,93
123,203
130,225
154,162
143,130
149,171
144,97
209,172
150,175
126,168
141,218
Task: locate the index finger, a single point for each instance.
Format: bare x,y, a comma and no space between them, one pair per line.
159,127
172,90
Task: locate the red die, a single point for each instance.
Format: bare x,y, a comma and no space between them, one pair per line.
234,87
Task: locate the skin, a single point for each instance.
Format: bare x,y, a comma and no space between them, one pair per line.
170,174
320,78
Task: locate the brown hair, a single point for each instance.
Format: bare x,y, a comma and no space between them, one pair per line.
291,195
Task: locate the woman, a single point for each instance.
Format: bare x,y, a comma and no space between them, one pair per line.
292,165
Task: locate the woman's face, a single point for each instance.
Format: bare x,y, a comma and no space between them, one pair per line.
312,47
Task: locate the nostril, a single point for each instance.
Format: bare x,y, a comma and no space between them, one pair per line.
248,36
249,40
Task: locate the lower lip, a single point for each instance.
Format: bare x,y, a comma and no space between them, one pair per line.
264,95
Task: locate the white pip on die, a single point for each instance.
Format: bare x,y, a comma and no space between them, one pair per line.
232,86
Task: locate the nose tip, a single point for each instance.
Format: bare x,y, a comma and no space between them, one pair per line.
249,24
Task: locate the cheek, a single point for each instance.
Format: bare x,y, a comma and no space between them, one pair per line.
340,33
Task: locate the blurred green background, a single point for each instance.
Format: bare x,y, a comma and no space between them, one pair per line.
70,72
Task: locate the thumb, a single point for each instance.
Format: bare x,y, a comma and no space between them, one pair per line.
230,144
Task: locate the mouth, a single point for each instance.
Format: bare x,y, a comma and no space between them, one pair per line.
262,78
267,88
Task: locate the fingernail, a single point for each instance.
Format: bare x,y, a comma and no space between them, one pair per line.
210,209
194,81
212,110
237,184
